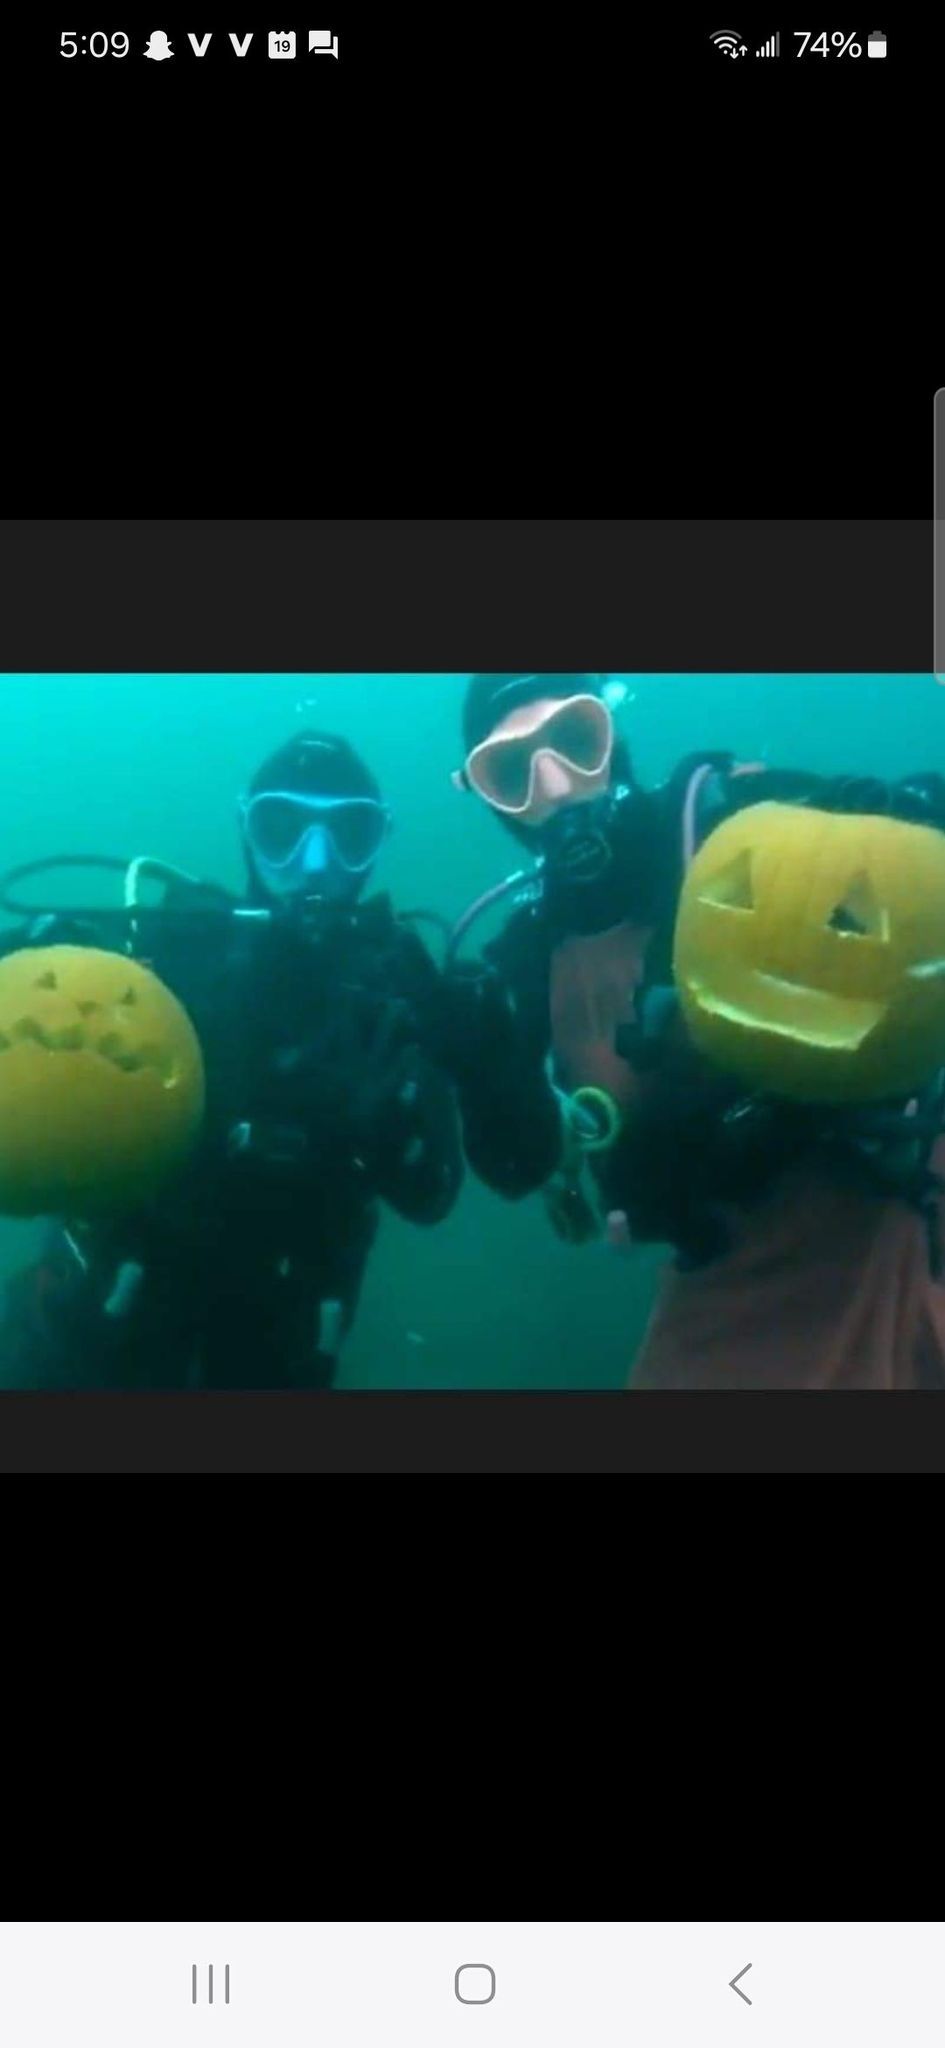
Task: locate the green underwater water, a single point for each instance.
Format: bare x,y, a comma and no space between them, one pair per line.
154,763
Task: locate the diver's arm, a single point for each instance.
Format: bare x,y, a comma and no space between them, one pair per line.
416,1152
510,1113
726,793
919,798
512,1129
415,1147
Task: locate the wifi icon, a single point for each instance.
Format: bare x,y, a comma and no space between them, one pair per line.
729,42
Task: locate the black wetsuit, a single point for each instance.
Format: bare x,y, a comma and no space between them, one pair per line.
322,1103
685,1150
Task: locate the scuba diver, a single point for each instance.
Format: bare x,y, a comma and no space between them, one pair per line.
311,1008
806,1243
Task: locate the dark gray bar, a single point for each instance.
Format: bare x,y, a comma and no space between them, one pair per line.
195,1985
211,1983
227,1998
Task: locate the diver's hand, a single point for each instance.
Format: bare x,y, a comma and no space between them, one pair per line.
387,1097
352,1087
473,1020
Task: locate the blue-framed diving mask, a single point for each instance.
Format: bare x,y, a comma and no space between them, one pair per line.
313,845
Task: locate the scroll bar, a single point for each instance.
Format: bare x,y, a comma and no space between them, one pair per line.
938,630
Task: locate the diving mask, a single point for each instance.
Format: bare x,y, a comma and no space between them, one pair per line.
279,823
577,734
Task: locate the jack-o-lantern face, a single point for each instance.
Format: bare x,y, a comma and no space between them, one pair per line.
101,1082
810,953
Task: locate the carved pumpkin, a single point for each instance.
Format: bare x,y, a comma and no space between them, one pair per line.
101,1082
810,953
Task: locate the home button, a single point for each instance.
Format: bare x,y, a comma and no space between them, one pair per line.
475,1984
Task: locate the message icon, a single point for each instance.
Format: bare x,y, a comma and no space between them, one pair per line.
282,42
321,43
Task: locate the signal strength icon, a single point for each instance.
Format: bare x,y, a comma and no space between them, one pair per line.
772,48
730,44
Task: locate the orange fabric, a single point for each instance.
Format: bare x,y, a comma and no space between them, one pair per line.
827,1285
593,981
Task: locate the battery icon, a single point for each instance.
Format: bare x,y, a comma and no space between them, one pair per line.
876,45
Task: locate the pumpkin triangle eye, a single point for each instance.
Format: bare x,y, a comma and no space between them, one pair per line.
732,885
859,915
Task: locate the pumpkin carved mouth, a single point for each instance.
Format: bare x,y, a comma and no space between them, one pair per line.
773,1005
92,1030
